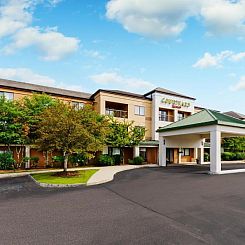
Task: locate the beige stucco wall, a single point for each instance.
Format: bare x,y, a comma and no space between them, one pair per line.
144,121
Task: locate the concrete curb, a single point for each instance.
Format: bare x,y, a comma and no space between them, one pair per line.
15,175
96,179
54,185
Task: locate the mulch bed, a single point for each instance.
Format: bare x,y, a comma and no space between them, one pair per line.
67,174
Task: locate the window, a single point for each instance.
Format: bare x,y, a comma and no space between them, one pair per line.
116,151
77,105
163,116
7,95
139,110
185,152
181,116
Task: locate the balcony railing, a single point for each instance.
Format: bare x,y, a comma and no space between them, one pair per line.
116,113
166,118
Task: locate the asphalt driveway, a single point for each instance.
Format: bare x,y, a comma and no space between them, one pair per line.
175,205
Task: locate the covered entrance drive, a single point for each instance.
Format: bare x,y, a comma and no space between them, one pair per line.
191,132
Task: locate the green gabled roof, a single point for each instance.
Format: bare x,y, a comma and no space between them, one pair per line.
204,118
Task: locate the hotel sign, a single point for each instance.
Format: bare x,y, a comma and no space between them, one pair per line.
176,103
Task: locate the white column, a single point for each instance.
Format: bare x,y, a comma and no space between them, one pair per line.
201,155
176,115
180,155
27,154
136,151
195,153
215,152
162,152
155,116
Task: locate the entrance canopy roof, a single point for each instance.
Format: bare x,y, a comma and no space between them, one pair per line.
204,118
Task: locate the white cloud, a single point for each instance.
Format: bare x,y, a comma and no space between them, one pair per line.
240,85
209,60
113,79
16,24
155,18
164,18
238,56
224,16
94,54
26,75
14,14
54,45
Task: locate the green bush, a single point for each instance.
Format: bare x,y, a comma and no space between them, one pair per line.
136,161
228,156
106,160
78,159
240,156
232,156
117,159
206,157
6,161
58,159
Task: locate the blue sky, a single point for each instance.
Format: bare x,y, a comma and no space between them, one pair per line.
188,46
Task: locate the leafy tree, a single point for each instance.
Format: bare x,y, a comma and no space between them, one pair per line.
32,106
63,128
124,134
12,130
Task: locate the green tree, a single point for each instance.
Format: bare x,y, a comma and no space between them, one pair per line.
63,128
32,106
12,129
124,134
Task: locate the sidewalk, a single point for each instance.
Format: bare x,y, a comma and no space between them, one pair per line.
105,174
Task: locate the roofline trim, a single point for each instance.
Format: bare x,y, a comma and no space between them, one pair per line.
46,87
169,93
118,93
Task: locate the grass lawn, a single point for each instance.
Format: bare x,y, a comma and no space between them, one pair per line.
49,178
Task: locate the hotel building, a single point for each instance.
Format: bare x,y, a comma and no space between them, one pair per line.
152,110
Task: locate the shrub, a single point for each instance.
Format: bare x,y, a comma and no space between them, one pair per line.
106,160
58,159
33,161
228,156
117,159
136,161
6,161
240,156
78,159
206,157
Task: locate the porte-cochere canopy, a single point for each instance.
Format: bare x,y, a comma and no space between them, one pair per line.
191,132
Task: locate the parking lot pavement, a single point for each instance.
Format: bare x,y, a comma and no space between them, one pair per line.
145,206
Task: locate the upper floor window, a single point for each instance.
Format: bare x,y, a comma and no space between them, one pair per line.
139,110
181,116
77,105
7,95
165,116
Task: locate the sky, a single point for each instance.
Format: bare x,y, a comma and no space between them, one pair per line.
194,47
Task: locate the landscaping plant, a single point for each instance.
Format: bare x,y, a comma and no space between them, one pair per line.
61,127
